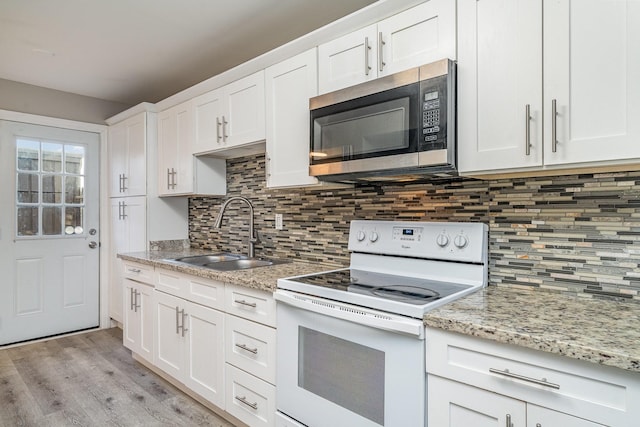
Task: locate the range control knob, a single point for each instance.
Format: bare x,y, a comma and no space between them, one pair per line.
373,237
442,240
461,241
360,236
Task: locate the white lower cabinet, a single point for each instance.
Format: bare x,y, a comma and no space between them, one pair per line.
138,318
189,345
476,382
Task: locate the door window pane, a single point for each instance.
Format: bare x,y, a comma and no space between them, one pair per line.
74,190
27,221
28,188
51,220
44,171
28,155
51,157
74,159
51,188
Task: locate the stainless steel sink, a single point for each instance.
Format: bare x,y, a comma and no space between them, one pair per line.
202,260
226,262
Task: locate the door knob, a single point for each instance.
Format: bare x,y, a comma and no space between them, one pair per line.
93,245
93,231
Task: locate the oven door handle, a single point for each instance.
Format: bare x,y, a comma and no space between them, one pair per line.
351,313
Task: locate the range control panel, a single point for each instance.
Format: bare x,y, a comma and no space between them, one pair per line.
451,241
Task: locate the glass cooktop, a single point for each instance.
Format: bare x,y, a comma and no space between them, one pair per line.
409,290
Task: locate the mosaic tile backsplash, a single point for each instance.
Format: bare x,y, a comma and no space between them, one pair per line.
577,233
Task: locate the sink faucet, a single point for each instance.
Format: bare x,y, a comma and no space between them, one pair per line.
253,235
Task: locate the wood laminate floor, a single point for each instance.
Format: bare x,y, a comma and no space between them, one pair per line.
90,380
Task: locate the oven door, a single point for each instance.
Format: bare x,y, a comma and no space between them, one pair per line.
338,370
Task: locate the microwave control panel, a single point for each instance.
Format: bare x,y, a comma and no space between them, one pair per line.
434,100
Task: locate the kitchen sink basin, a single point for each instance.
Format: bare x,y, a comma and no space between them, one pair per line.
226,262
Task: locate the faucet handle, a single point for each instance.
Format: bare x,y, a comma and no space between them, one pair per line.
256,237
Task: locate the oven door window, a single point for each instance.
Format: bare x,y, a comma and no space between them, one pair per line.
372,126
346,373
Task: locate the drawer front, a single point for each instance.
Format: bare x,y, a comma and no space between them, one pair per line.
171,283
139,272
251,304
248,398
251,347
205,292
580,388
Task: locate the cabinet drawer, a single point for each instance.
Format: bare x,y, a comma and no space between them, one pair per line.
251,347
139,272
207,292
563,384
248,398
251,304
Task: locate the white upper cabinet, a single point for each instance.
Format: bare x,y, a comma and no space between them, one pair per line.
506,96
289,85
230,116
422,34
499,75
179,172
127,157
592,73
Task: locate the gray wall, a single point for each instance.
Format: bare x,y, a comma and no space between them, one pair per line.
41,101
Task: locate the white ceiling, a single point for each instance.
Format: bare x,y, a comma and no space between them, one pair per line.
132,51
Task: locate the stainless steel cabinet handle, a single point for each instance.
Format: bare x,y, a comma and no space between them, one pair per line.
218,124
367,48
554,125
174,182
527,136
123,183
224,129
542,382
168,179
136,306
177,320
509,424
131,303
244,400
381,44
250,350
248,304
184,316
123,215
134,270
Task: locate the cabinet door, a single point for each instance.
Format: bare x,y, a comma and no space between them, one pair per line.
348,60
452,404
205,374
175,159
543,417
499,75
591,66
127,157
244,118
420,35
170,347
117,158
207,116
131,323
289,85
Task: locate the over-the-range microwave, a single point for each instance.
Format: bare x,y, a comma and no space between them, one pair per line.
397,127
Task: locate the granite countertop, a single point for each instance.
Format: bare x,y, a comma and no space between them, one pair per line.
263,278
599,331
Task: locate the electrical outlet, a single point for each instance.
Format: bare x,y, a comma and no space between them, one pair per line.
279,225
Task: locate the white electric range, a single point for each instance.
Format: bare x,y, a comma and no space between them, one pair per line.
351,341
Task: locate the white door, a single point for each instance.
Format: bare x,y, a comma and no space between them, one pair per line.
452,404
49,231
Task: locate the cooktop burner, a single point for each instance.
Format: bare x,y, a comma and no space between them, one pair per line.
409,290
